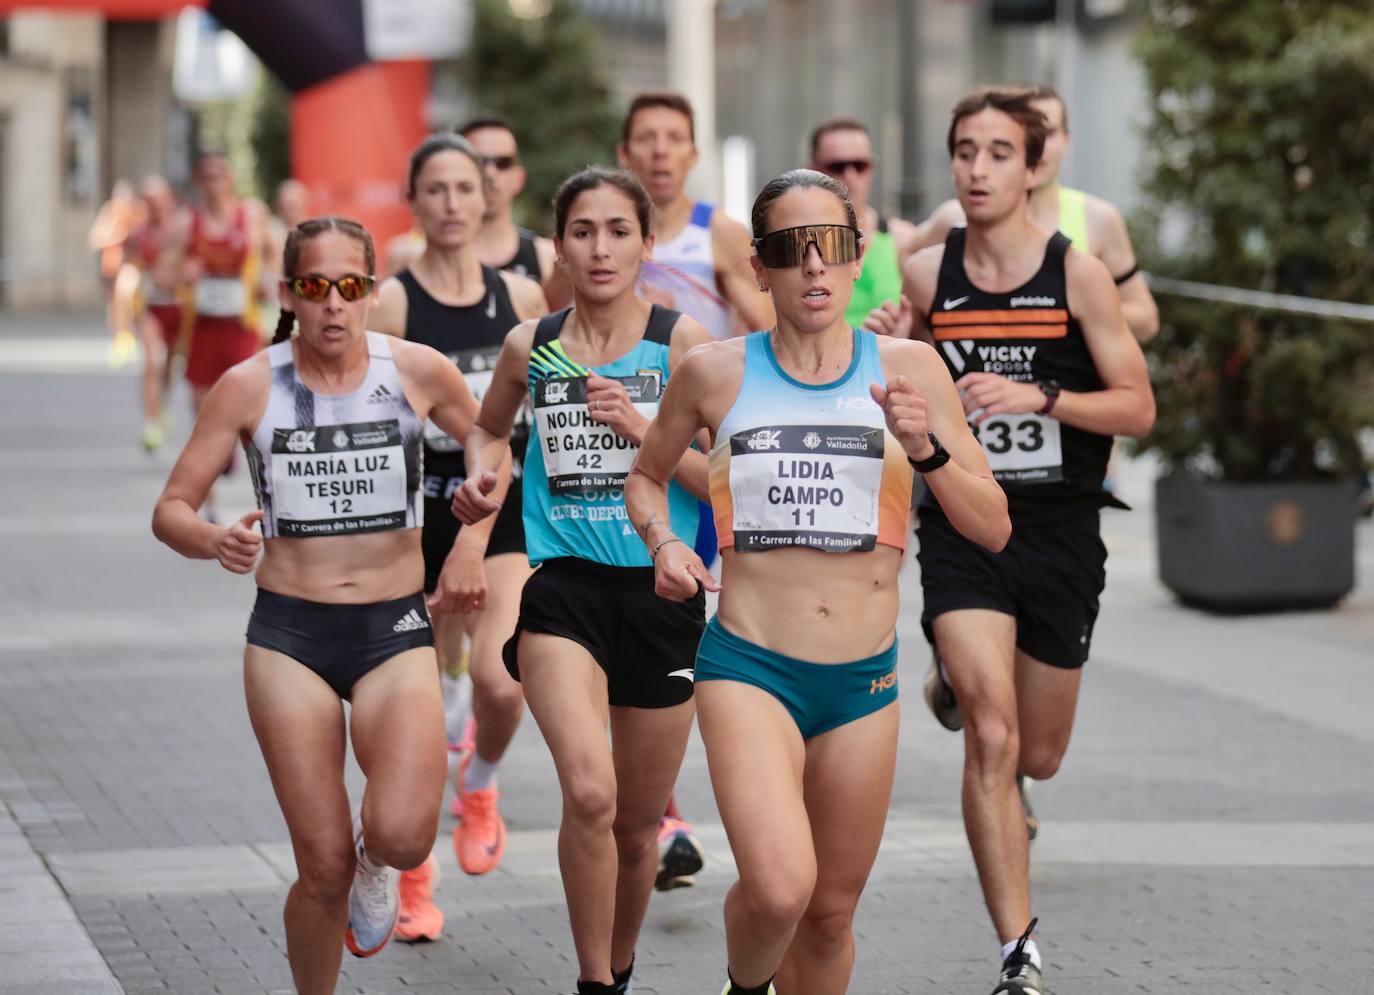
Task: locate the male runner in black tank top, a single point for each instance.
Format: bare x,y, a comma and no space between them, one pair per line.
1032,332
502,243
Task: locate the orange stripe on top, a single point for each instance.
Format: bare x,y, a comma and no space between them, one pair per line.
1001,332
1023,316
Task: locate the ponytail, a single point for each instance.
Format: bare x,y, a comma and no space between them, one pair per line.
285,322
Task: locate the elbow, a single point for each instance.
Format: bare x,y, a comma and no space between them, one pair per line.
998,531
1144,420
160,522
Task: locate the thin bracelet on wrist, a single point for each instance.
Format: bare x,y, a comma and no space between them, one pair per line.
653,553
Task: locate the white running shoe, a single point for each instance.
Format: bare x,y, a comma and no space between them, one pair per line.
373,903
726,989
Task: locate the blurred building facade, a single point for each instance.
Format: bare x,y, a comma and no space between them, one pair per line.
84,101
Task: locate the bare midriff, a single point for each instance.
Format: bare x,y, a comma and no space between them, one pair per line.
344,570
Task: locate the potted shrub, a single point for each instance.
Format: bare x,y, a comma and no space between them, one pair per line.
1261,176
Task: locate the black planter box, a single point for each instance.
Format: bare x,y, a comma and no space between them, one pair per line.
1255,547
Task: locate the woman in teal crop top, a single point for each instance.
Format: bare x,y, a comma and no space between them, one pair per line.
594,644
815,430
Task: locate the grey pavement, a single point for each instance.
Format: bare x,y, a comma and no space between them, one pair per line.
1212,829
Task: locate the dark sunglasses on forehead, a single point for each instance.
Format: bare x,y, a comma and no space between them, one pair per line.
500,162
315,288
787,247
841,166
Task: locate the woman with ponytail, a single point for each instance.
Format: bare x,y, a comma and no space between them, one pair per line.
331,421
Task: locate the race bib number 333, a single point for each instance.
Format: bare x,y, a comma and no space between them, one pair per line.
581,454
339,479
806,485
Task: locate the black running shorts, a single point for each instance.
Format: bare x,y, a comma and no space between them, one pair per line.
1049,578
647,645
441,528
341,643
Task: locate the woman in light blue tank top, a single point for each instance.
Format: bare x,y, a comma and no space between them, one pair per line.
816,429
594,641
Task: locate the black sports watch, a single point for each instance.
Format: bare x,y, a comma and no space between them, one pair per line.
935,460
1050,388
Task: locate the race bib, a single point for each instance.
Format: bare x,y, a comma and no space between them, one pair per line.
806,485
476,366
221,296
581,454
1022,448
338,479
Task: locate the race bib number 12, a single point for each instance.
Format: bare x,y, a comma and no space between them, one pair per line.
338,479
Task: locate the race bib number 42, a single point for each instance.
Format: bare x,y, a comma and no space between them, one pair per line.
579,453
806,485
338,479
1022,448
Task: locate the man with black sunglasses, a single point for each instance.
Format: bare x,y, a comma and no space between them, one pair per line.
841,147
502,244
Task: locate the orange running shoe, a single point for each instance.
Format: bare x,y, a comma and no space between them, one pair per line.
420,918
480,839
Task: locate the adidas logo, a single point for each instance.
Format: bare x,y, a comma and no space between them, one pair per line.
410,622
381,395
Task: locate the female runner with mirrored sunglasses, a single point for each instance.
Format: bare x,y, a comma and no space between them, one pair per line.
594,646
815,428
331,424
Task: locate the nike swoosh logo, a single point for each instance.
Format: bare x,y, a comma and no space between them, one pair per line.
688,674
950,305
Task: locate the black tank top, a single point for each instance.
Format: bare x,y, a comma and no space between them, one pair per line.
1048,469
525,262
471,336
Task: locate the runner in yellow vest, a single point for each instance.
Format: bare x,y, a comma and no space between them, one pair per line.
841,147
1091,224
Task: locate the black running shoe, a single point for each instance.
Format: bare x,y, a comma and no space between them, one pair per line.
679,855
1032,823
1019,975
623,982
940,698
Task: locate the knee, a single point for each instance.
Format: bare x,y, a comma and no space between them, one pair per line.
324,873
777,902
401,841
589,802
829,922
634,836
495,690
991,737
1040,761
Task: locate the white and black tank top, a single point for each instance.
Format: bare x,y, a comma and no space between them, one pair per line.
337,464
1046,467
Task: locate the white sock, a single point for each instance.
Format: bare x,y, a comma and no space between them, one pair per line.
368,863
457,705
481,774
1032,951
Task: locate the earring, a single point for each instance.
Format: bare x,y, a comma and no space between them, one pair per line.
763,289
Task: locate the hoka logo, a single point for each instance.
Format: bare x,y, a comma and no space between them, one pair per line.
885,683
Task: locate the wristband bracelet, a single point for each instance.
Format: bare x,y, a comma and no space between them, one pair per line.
653,553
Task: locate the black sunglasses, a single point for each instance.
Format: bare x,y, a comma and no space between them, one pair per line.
501,162
841,166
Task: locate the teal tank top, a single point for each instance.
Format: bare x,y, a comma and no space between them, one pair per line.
575,468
